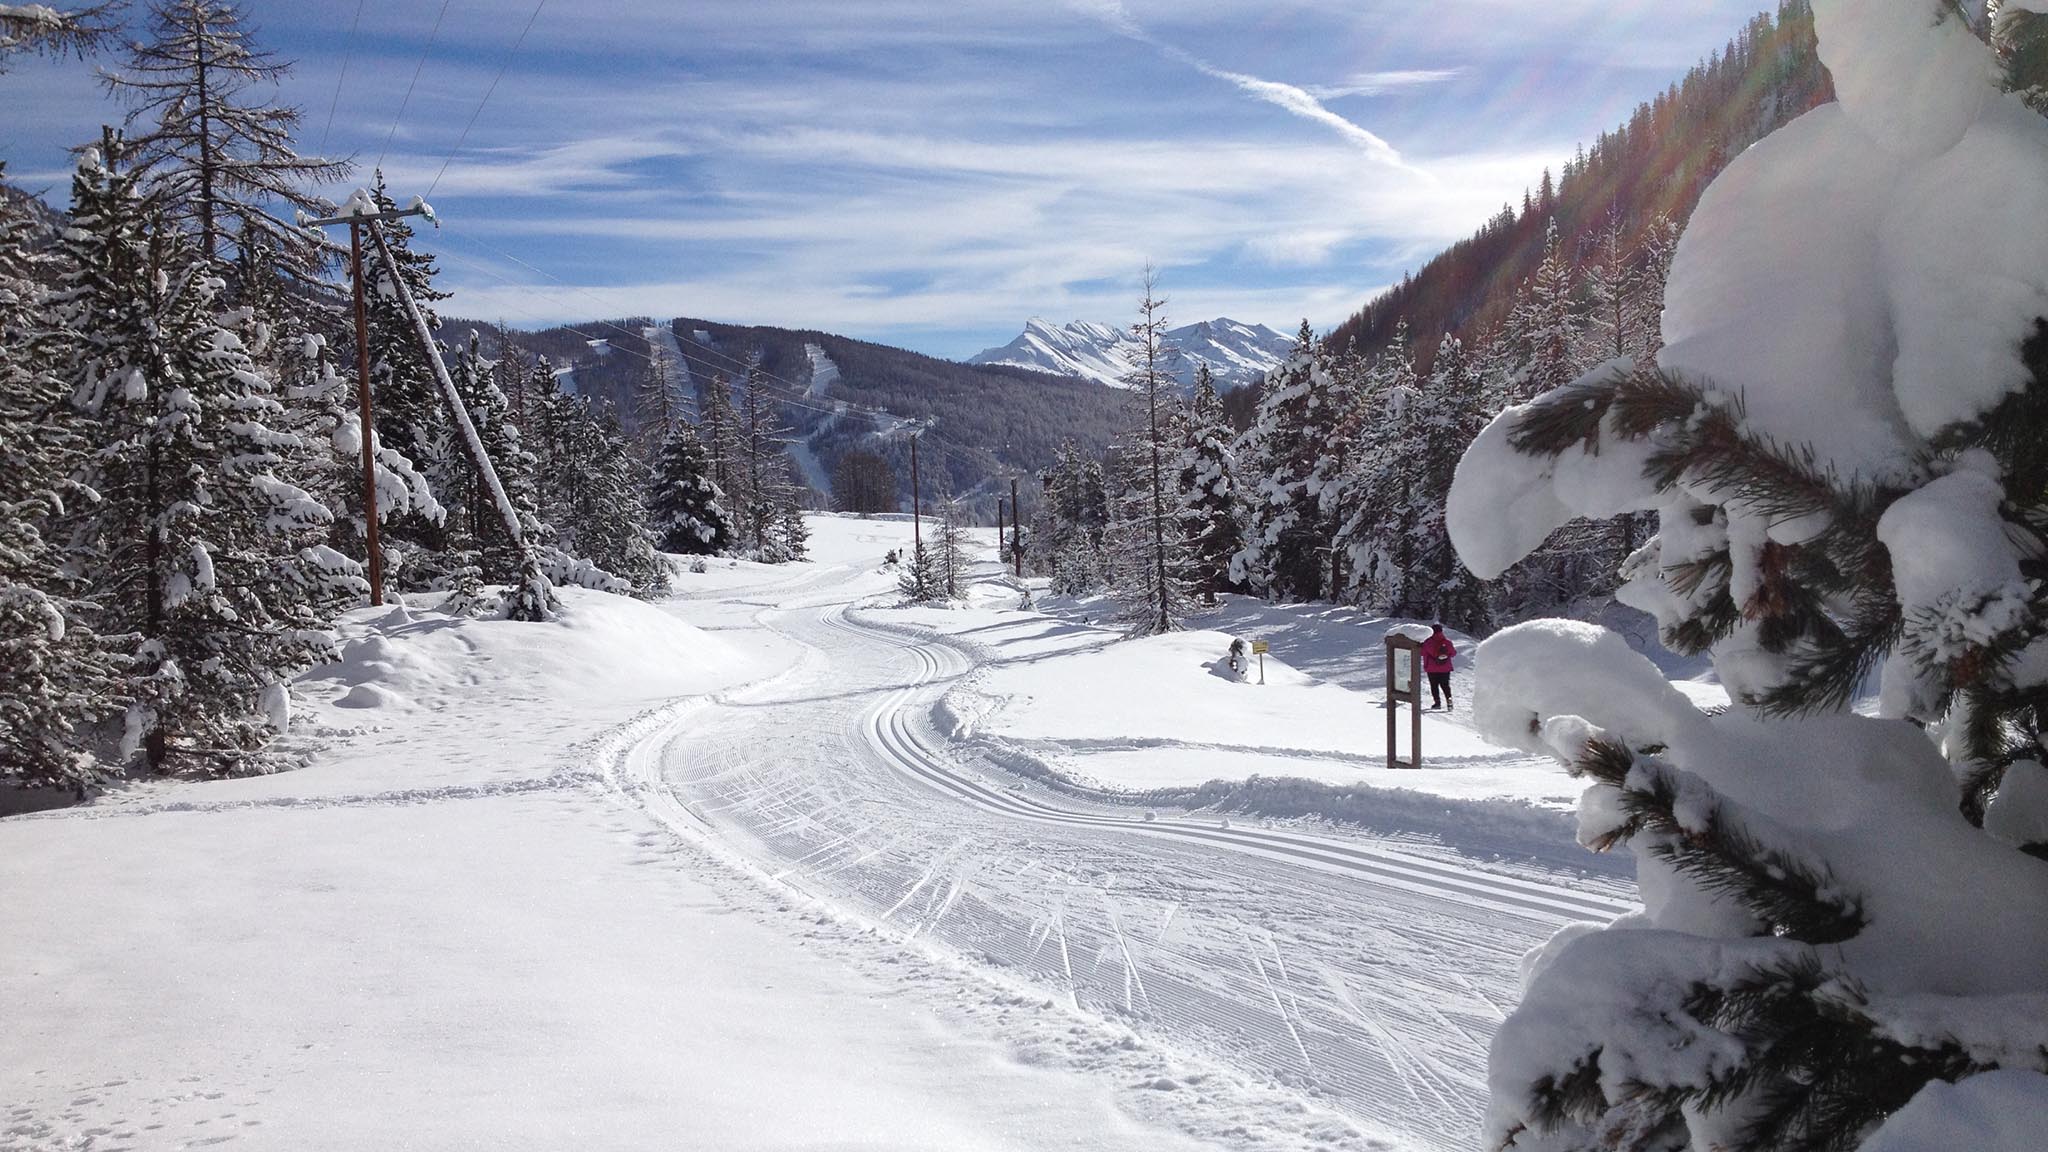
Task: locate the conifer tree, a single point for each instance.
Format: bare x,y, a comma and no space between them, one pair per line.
1150,549
1208,487
1843,914
1545,325
410,416
687,508
657,402
795,531
56,675
214,154
480,532
321,409
1067,537
1283,555
589,495
768,489
41,29
1616,321
724,442
196,547
1380,503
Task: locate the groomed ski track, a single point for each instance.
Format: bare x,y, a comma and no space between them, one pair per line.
1363,976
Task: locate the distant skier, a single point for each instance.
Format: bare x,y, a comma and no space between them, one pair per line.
1437,654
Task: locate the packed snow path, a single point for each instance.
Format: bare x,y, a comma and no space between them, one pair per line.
1366,976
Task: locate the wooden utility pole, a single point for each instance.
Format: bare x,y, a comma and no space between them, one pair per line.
916,525
536,591
356,219
1016,530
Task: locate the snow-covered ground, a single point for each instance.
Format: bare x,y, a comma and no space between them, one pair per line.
1060,685
743,871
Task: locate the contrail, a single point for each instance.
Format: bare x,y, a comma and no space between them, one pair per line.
1287,97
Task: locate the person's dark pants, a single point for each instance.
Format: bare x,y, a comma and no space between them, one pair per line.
1440,689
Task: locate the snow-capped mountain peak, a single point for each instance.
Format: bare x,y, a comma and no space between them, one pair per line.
1236,352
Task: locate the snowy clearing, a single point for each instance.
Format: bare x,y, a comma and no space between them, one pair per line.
708,869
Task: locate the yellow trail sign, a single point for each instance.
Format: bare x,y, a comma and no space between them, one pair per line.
1260,648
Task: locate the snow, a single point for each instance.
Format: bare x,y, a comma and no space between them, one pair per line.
1236,353
824,373
1910,74
448,931
688,868
1534,672
1993,1112
1956,573
1777,294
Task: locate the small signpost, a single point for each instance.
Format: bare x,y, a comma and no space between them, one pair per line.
1259,649
1404,683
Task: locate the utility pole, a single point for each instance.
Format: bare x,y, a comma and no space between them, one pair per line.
1016,530
916,524
359,210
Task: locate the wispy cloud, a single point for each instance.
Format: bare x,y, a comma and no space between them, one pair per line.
1287,97
1381,83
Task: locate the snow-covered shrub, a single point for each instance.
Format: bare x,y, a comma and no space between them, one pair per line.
1846,445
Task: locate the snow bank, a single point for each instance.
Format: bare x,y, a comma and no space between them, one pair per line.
1995,1112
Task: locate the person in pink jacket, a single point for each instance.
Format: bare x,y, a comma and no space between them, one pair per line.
1437,654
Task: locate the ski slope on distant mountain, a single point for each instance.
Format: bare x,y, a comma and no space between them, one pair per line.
663,338
1237,353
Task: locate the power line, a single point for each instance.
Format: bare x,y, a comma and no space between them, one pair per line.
346,56
416,70
504,64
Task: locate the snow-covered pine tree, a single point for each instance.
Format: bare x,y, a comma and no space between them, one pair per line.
1545,325
41,29
685,505
1148,551
1283,555
657,400
1066,539
794,533
1617,322
768,488
2020,34
196,547
478,530
922,582
293,330
1448,414
1208,487
1374,502
56,675
723,435
411,416
1659,245
948,542
1845,931
589,494
214,155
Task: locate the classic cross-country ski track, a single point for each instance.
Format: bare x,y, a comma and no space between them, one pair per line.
1365,974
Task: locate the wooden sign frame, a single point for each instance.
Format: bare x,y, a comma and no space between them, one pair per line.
1401,647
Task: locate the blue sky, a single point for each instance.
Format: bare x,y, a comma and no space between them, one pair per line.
933,172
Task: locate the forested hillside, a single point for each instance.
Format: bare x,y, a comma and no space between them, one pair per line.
1614,192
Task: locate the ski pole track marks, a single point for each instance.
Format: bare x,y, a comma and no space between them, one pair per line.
1364,978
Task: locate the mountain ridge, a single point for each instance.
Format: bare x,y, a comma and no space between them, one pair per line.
1237,353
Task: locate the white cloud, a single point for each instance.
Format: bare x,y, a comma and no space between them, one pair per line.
1381,83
